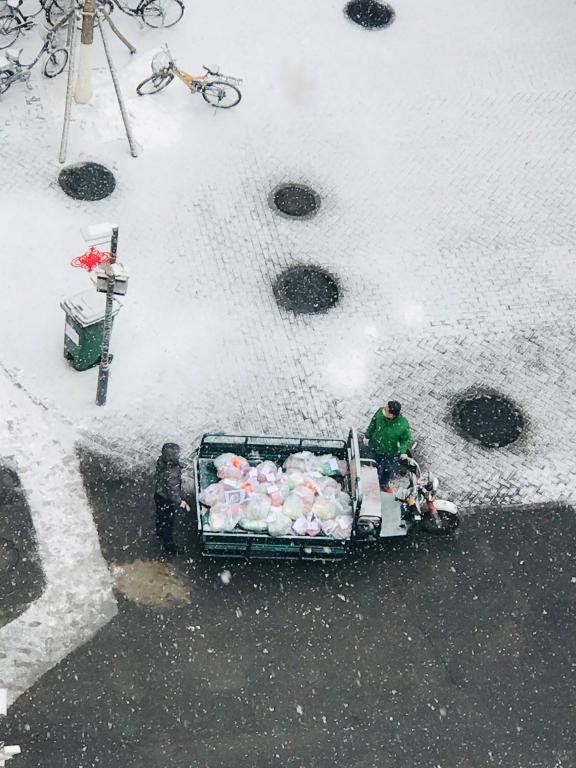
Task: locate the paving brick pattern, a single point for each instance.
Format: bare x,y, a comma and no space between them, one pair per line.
446,213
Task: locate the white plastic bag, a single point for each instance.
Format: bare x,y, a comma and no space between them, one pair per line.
294,477
308,525
229,465
328,526
293,507
267,471
331,466
306,494
219,518
257,526
299,460
257,507
211,495
345,502
326,509
343,527
278,524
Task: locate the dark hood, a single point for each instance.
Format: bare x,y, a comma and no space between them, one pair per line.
171,453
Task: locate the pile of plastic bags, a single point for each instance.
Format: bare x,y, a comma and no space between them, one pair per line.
302,497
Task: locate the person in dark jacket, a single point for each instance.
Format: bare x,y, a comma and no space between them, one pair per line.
168,494
388,436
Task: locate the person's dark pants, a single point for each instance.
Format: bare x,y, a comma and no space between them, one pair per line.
387,466
165,516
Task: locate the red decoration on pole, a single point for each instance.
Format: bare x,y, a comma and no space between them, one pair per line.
91,258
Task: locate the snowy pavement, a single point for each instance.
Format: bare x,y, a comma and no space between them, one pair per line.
78,598
441,148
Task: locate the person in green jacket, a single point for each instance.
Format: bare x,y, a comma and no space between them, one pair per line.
388,436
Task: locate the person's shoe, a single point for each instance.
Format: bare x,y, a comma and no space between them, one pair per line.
388,489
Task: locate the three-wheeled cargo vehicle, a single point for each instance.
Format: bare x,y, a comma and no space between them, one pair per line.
375,515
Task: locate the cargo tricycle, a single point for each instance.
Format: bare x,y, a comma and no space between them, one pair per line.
373,515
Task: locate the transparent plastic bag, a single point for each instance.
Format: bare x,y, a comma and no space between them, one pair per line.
308,525
342,528
219,518
279,524
293,507
257,526
326,509
212,494
229,465
267,471
257,507
306,494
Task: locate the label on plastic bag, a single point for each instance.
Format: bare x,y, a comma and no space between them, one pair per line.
235,497
272,488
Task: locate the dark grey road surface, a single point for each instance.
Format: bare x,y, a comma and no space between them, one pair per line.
21,578
457,653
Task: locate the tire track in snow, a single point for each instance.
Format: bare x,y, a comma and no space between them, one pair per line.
78,598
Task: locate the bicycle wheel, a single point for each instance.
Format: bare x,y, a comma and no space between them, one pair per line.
9,29
153,84
4,78
57,11
161,13
448,523
221,94
55,62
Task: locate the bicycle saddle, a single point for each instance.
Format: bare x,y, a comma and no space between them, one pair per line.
13,55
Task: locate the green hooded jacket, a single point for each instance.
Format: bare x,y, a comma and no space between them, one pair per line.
388,437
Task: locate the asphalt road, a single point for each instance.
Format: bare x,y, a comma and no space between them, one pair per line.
21,578
457,653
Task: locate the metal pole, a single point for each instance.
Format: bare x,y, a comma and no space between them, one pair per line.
69,86
131,142
117,32
83,92
103,371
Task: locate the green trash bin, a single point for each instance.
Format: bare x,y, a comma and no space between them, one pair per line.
84,328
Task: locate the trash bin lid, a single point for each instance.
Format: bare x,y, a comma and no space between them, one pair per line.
88,307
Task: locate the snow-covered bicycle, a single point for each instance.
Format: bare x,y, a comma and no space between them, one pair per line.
12,70
217,89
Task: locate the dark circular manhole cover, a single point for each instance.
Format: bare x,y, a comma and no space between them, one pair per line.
296,200
87,181
369,13
491,419
306,290
8,555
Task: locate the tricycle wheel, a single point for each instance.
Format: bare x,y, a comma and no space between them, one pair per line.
449,523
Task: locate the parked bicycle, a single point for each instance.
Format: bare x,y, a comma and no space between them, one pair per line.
154,13
217,89
13,22
12,70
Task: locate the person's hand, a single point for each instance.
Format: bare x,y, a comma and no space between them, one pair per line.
184,505
365,441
